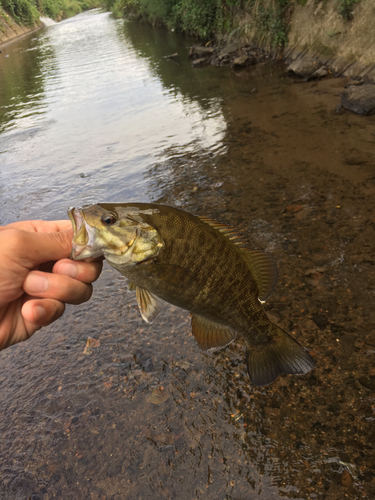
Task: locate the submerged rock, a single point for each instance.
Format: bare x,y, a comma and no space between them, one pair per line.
360,99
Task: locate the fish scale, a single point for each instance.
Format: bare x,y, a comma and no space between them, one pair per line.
196,264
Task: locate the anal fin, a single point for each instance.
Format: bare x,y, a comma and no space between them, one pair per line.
211,335
149,305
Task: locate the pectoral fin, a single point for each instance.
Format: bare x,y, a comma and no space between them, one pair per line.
149,305
209,334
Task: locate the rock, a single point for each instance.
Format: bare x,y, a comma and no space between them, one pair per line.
360,99
367,382
357,157
229,49
320,321
346,479
198,51
198,63
304,68
319,73
241,61
224,61
354,82
309,272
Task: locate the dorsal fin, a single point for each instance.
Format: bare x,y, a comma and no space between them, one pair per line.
211,335
231,233
264,270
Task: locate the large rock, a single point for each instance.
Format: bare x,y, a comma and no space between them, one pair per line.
230,49
360,99
241,61
199,63
198,51
304,68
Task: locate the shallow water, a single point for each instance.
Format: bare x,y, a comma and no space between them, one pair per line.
90,110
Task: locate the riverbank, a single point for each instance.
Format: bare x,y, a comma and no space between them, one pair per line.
318,32
346,47
10,31
334,33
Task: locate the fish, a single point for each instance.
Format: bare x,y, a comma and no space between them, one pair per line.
197,264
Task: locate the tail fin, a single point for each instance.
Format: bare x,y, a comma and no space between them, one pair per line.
282,355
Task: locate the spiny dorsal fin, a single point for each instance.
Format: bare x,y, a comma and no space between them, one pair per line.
264,270
149,305
210,335
229,232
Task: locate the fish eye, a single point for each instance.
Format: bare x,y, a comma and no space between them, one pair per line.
109,219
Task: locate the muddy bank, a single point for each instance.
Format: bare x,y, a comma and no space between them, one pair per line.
10,31
314,30
318,31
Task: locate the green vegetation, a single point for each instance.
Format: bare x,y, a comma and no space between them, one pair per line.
208,18
266,21
27,12
202,18
346,8
271,22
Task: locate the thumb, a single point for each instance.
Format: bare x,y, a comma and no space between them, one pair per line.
34,248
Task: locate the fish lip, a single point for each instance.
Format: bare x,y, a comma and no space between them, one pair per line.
73,216
77,220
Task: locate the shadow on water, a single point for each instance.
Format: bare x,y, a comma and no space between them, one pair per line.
147,414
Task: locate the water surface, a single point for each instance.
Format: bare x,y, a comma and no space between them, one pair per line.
91,110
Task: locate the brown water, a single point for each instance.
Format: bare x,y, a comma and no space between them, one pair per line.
91,111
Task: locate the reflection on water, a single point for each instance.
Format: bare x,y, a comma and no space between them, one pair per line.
98,113
90,110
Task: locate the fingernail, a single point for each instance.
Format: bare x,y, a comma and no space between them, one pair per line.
39,313
35,283
68,269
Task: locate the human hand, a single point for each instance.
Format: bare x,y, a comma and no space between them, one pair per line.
37,279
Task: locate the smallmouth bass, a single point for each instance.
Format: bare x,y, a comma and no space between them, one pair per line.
196,264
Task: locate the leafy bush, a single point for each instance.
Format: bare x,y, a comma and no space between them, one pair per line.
271,21
22,11
198,17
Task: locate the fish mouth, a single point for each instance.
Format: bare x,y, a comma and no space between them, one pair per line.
83,236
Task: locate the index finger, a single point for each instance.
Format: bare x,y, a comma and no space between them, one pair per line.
39,226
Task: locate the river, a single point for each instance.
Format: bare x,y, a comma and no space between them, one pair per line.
92,110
